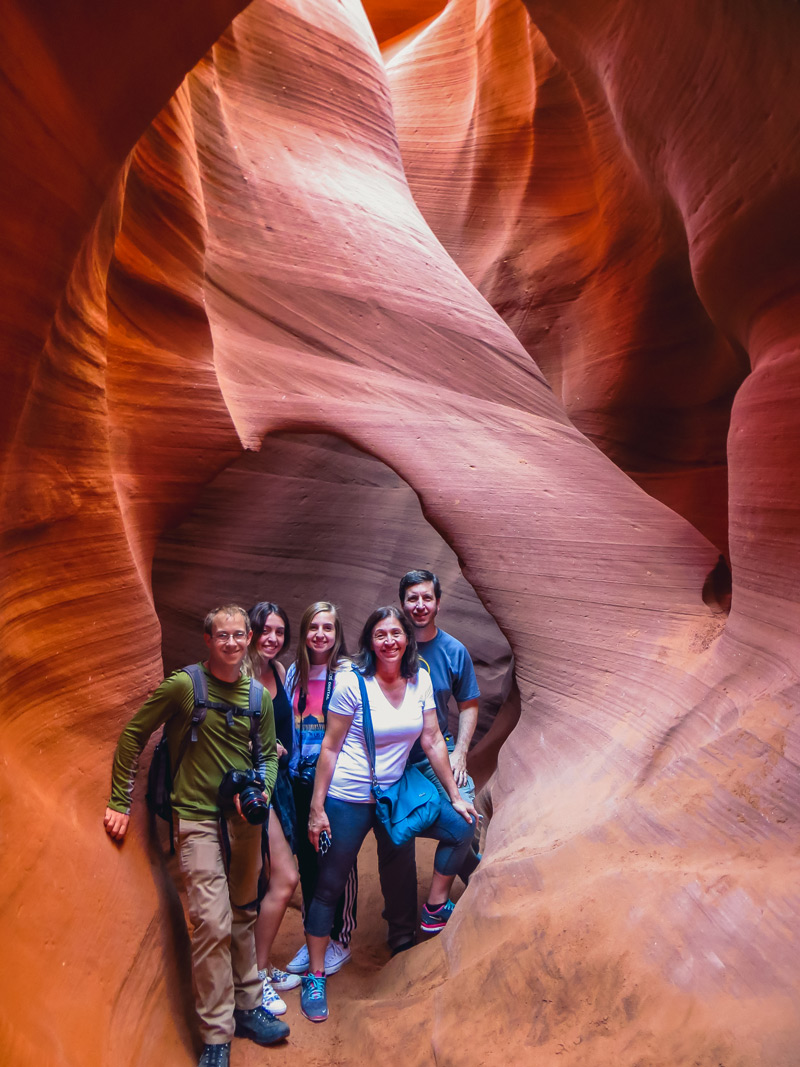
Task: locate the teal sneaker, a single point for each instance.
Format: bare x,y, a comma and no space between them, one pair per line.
434,920
313,999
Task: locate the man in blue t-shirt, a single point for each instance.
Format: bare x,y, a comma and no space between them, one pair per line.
450,667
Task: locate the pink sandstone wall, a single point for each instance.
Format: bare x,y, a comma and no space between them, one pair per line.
193,263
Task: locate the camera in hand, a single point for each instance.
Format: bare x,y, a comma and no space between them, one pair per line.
306,769
251,794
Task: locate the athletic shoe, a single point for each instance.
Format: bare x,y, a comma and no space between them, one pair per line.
403,947
336,956
270,1000
282,979
313,999
215,1055
298,964
434,921
259,1026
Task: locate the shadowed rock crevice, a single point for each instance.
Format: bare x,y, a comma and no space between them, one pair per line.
307,518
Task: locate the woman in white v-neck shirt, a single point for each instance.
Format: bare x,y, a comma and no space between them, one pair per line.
342,809
396,729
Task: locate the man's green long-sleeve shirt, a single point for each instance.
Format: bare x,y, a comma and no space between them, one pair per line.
218,748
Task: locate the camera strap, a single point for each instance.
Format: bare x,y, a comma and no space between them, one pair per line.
302,700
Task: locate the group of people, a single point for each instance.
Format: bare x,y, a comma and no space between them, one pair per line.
304,736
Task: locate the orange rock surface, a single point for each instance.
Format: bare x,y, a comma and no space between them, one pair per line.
512,258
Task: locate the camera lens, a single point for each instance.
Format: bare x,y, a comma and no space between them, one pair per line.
254,808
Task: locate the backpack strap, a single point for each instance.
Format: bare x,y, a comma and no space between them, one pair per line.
254,711
202,704
201,701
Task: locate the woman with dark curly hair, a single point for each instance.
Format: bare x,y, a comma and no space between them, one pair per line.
271,634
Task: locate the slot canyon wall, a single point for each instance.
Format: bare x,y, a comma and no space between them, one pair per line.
542,264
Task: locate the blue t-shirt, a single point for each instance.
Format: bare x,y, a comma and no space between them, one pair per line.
450,667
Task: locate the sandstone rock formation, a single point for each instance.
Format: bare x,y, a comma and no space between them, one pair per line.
316,519
206,248
518,165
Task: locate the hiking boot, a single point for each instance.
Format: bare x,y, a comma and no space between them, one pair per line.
336,956
313,999
215,1055
282,979
259,1026
298,964
270,1000
434,920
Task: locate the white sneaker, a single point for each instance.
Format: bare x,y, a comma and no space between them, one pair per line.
269,998
298,964
336,956
282,979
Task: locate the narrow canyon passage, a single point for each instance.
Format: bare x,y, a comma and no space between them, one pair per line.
509,290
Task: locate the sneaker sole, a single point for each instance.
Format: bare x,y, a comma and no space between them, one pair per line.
432,929
286,985
273,1010
336,967
296,968
314,1018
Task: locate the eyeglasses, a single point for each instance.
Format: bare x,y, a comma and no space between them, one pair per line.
239,637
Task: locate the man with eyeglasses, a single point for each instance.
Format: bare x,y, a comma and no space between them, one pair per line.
219,852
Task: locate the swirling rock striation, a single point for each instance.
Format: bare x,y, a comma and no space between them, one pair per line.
251,261
515,159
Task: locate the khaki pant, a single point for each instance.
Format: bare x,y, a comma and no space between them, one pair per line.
222,913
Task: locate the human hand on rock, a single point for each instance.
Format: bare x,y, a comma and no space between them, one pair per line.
116,824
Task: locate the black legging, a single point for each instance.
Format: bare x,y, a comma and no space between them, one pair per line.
344,918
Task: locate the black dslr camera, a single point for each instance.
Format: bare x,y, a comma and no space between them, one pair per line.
251,794
306,770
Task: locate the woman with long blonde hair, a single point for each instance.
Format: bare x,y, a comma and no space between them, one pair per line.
310,682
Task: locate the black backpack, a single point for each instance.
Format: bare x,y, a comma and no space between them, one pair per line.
161,776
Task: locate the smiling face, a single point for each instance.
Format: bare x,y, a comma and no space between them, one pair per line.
227,645
422,607
389,642
272,639
321,636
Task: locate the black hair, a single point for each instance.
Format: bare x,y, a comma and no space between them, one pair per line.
259,615
414,578
255,663
365,658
